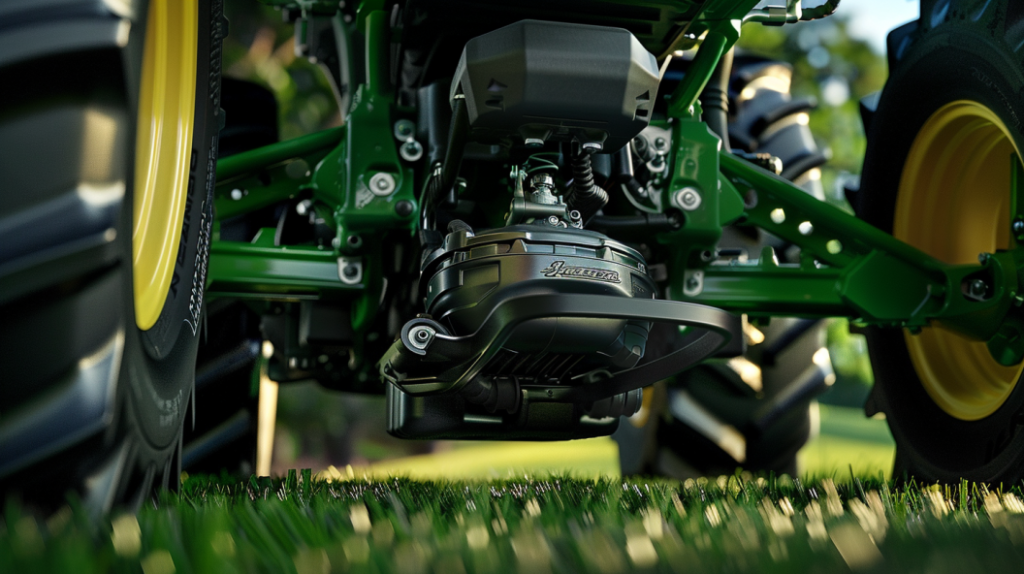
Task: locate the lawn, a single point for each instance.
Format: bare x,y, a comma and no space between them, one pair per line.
534,518
556,524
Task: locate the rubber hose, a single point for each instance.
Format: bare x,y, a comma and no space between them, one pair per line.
715,100
586,196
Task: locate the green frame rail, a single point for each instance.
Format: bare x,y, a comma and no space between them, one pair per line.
848,268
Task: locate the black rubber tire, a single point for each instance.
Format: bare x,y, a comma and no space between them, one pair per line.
665,440
67,294
951,53
223,437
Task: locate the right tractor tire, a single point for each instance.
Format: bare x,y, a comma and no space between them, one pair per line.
944,138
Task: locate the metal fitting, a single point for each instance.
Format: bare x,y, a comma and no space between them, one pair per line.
420,336
350,270
404,130
411,150
543,184
382,184
687,199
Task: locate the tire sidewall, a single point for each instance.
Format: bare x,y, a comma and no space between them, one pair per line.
158,365
953,62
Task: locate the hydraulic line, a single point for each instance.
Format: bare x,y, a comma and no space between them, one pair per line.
715,100
585,196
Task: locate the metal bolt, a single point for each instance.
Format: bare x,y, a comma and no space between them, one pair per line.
983,258
420,336
657,165
411,151
574,215
593,147
382,184
661,144
1018,228
237,194
692,283
978,288
553,220
404,208
688,198
534,142
404,130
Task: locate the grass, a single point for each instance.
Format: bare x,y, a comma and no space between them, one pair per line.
731,524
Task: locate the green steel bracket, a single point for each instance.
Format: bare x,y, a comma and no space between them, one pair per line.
270,174
261,270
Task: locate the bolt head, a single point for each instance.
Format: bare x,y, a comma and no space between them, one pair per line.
382,184
404,130
978,288
404,208
411,150
688,199
552,220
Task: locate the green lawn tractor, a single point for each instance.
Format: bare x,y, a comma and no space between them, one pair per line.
540,220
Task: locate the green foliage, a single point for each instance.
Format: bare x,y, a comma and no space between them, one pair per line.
837,71
260,48
735,523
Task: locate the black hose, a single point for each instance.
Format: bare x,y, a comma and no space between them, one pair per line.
827,9
585,196
715,100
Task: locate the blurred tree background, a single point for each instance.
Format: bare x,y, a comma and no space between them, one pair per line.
317,427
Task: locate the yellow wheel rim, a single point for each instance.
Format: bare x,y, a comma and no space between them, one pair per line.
162,151
954,202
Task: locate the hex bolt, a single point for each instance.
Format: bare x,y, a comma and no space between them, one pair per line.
404,130
978,288
593,147
420,336
411,151
661,144
692,283
688,198
403,208
382,184
553,220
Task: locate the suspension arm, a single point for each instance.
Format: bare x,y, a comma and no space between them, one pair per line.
849,268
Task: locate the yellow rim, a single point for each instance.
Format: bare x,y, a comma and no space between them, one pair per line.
162,151
954,202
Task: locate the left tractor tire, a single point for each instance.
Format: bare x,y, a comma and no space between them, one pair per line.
944,142
107,155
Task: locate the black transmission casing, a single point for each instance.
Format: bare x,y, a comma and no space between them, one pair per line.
558,81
